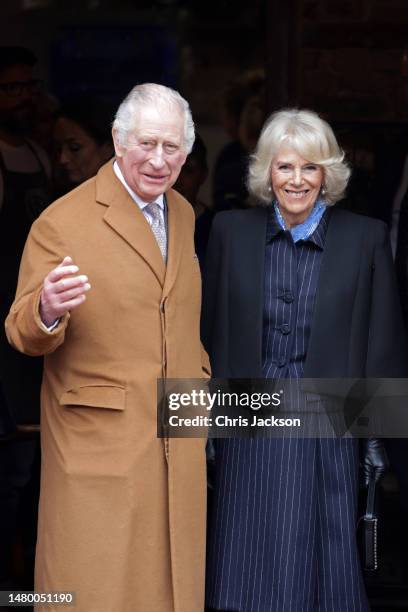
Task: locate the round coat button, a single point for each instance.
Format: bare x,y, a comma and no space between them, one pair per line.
285,328
288,297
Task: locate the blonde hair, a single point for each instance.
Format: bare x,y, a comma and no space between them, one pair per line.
312,138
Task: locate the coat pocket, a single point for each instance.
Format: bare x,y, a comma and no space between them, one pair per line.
95,396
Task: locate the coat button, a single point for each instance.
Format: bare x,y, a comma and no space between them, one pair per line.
285,328
288,297
281,362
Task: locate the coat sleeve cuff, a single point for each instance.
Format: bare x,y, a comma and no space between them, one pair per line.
26,331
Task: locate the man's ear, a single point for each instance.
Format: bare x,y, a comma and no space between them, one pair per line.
119,149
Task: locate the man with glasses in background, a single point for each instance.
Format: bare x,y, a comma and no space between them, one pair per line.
24,192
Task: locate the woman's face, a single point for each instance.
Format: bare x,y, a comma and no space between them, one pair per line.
78,153
296,183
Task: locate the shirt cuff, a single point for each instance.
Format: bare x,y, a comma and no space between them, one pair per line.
51,327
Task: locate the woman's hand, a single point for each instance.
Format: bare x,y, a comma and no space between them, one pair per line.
373,459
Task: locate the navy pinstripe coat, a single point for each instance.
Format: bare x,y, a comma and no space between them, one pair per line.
284,540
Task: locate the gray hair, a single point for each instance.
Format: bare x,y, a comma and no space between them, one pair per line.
151,94
312,138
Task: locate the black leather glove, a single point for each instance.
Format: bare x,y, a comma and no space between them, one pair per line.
373,458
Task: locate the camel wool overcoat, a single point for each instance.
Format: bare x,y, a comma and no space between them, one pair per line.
122,512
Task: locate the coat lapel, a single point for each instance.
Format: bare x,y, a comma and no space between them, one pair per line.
330,278
127,220
175,240
249,253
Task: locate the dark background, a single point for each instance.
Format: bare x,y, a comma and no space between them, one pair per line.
346,59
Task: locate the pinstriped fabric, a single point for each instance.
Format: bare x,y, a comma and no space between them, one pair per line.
282,526
291,276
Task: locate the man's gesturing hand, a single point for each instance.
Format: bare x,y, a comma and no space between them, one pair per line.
62,291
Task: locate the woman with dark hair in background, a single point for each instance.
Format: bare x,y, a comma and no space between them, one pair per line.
295,288
83,141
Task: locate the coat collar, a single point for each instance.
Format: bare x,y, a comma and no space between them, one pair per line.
317,237
250,259
127,220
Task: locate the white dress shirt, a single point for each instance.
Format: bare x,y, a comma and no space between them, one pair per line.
141,203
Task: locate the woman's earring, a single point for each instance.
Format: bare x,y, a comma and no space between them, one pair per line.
323,190
270,189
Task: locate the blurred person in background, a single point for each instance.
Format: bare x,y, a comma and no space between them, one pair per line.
192,176
46,108
25,190
82,141
243,117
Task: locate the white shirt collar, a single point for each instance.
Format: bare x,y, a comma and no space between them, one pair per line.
141,203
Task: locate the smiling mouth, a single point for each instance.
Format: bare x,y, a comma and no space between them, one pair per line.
297,194
154,177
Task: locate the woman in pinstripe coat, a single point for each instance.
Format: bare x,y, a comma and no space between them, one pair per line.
295,288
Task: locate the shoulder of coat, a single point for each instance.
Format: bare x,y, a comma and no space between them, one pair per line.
240,218
68,203
357,222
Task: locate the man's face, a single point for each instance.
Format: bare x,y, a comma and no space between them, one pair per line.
17,93
154,154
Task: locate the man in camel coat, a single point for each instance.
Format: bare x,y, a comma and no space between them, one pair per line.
109,293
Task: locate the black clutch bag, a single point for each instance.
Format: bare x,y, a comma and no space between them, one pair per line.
368,526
